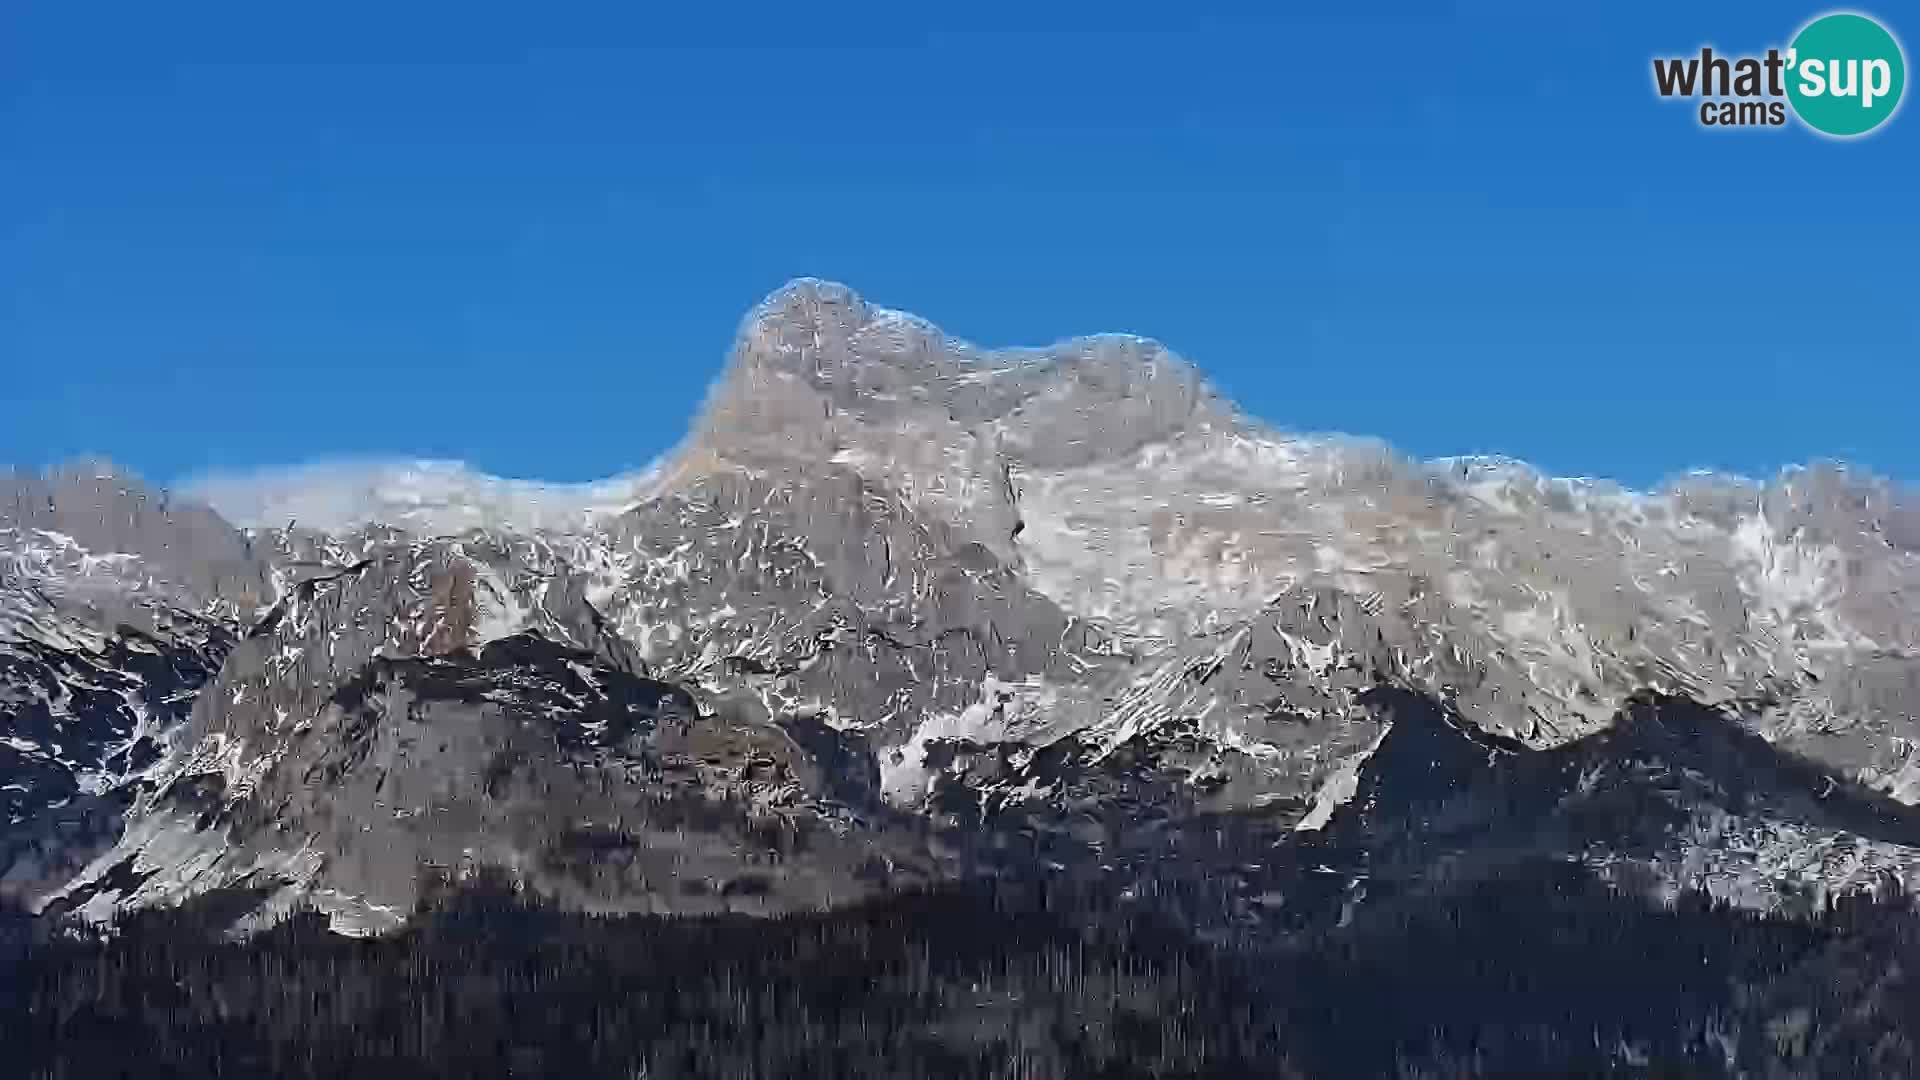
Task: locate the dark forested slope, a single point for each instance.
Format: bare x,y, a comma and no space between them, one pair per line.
1545,972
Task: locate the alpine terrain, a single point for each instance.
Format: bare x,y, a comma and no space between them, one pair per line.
904,619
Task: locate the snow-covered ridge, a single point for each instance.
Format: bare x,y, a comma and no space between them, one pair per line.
1081,549
437,496
433,496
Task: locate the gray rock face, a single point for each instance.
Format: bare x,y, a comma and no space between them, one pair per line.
116,607
80,728
916,608
94,508
599,787
821,376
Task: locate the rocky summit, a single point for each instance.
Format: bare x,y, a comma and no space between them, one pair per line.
901,611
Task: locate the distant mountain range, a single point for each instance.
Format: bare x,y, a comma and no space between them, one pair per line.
901,611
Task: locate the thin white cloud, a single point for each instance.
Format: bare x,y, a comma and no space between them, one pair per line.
424,495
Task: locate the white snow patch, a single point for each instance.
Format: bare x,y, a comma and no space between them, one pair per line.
1339,788
905,779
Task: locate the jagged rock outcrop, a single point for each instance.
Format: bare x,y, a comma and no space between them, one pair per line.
117,606
600,788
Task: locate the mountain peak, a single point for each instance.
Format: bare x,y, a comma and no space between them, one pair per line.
101,509
814,355
810,315
819,374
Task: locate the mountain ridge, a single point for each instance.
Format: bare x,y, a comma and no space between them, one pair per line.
781,301
928,610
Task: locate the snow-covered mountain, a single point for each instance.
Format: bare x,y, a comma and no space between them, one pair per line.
900,608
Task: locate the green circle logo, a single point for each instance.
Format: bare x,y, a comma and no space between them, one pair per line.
1845,74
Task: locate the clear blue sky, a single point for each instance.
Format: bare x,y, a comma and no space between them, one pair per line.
523,235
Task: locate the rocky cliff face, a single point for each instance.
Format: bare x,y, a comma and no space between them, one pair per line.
900,608
117,606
